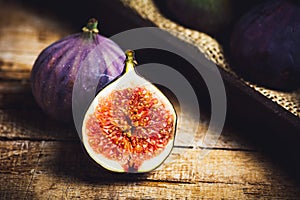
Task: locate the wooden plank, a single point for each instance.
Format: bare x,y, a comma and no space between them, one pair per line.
44,170
18,161
156,190
32,124
69,159
14,186
16,94
23,34
46,187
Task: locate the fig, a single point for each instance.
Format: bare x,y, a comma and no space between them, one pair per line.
265,45
209,16
56,68
130,125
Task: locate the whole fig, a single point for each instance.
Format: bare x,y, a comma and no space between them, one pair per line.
56,69
265,45
209,16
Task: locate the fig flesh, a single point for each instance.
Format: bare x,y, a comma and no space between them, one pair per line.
130,125
54,72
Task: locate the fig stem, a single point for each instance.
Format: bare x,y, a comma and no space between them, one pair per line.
91,26
130,61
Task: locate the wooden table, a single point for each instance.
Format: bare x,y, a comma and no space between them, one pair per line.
42,159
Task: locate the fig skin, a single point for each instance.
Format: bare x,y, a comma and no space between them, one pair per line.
56,69
265,45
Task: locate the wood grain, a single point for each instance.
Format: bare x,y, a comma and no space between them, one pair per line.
23,35
55,170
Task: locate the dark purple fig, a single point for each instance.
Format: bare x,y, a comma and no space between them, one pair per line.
57,67
265,45
209,16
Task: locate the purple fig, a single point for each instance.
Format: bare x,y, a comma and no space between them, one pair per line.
265,45
57,67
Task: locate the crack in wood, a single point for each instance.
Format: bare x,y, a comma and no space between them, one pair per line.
35,169
200,181
32,139
214,148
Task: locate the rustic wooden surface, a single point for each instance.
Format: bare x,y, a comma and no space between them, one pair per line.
42,159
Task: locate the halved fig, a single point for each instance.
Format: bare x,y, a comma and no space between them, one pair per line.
130,125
